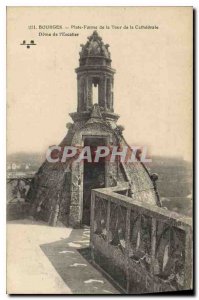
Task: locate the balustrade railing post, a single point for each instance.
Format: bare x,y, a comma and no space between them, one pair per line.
92,223
108,220
188,264
127,247
153,243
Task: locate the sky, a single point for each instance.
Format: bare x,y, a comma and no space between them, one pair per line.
152,86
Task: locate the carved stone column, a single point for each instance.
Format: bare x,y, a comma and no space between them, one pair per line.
81,93
75,204
89,91
105,94
111,94
108,92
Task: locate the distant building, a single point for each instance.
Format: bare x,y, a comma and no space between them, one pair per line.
15,166
27,166
9,166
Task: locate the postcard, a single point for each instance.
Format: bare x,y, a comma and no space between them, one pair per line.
99,150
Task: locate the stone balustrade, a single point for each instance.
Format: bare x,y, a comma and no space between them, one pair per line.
142,248
18,185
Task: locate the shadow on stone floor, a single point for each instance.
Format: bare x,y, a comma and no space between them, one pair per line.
71,259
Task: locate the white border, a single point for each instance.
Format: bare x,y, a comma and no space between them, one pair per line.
99,3
3,5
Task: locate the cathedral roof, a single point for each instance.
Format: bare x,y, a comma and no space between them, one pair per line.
94,47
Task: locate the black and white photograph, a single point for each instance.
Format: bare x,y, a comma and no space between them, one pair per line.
99,158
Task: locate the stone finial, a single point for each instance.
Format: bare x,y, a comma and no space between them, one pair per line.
154,177
96,113
94,47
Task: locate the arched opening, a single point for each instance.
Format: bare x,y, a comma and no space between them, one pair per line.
94,174
95,90
95,93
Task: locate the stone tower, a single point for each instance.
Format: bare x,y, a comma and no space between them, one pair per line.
95,71
61,192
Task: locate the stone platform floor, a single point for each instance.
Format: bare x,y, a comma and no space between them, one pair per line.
51,260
